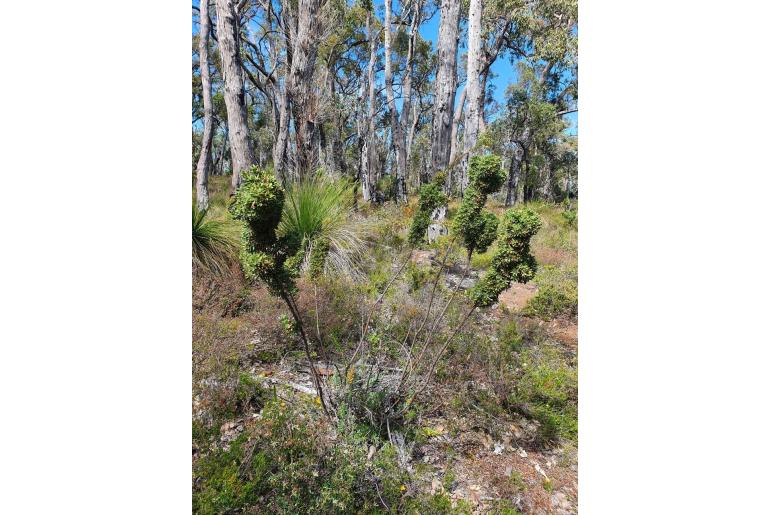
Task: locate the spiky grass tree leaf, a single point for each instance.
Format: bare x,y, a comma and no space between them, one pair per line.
317,212
213,243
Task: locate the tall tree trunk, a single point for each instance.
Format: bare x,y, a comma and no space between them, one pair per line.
483,101
368,181
455,129
282,134
303,101
409,117
445,85
241,150
204,160
415,120
396,130
514,172
473,87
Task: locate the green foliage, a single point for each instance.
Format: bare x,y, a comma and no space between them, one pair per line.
509,337
486,173
438,504
224,486
570,216
213,246
283,466
387,185
557,295
417,276
512,260
505,507
259,203
318,258
550,302
476,227
431,198
317,213
546,389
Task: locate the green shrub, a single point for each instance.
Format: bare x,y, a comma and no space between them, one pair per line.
509,337
546,389
431,198
512,260
550,302
478,228
283,466
259,203
570,216
213,244
387,186
417,276
558,293
227,481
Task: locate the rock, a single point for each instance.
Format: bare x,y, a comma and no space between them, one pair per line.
435,230
438,214
561,504
452,280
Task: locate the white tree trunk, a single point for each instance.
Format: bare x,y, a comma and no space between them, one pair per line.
368,180
445,85
303,100
473,87
456,124
396,130
205,161
241,150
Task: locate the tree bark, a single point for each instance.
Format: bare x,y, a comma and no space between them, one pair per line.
514,172
445,85
473,87
368,181
304,103
241,149
396,130
456,125
204,160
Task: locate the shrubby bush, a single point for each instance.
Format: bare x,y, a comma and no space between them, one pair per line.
283,464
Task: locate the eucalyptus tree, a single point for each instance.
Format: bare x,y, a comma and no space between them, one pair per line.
366,125
204,160
228,33
445,85
472,86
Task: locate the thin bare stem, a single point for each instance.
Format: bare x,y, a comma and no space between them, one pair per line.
289,300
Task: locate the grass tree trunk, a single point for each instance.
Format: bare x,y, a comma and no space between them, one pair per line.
204,160
472,86
445,85
396,130
241,150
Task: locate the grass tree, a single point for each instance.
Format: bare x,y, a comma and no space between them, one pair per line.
213,245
